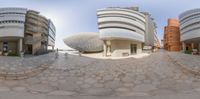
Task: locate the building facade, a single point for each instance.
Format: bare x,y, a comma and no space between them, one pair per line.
172,35
125,31
23,30
190,29
85,42
52,34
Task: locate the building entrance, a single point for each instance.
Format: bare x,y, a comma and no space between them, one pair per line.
28,49
5,47
133,49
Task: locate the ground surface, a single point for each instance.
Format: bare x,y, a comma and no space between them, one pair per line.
75,77
17,64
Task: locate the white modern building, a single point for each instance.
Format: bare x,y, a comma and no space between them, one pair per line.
52,34
23,30
126,31
190,29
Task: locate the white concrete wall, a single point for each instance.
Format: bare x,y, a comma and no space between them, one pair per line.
121,19
118,47
122,11
139,47
121,23
117,33
12,24
190,27
12,30
190,35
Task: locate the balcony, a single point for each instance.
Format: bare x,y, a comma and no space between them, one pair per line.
33,40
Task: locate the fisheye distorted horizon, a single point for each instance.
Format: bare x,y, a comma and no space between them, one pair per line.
79,16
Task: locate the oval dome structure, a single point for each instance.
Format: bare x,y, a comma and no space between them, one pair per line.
85,42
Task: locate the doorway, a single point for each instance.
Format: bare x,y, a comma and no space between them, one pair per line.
133,49
5,47
28,49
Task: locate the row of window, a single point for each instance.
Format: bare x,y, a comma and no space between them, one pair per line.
125,23
20,27
121,15
188,13
12,9
198,28
11,21
51,26
12,13
190,18
190,25
33,19
52,32
52,39
124,10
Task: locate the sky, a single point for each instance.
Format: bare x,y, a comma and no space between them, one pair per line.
79,16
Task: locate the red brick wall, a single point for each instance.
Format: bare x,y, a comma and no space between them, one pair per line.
172,36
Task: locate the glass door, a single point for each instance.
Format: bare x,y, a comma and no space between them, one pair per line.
133,49
5,47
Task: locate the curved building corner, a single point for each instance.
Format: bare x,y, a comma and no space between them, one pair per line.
190,29
24,30
125,31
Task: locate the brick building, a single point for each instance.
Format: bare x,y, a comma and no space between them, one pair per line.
172,35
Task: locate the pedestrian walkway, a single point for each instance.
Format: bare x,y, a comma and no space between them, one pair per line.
21,68
78,77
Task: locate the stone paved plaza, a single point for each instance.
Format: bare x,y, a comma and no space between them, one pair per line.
157,76
15,68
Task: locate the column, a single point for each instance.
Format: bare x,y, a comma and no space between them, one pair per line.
108,51
108,43
20,46
184,46
139,48
104,49
199,47
192,44
52,47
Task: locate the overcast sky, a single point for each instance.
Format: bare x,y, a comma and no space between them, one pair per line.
77,16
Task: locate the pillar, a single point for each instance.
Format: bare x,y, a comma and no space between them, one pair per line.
184,46
108,51
139,48
192,44
20,46
52,47
108,44
199,47
104,49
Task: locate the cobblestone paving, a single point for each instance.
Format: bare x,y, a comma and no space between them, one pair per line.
187,61
17,64
75,76
16,68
